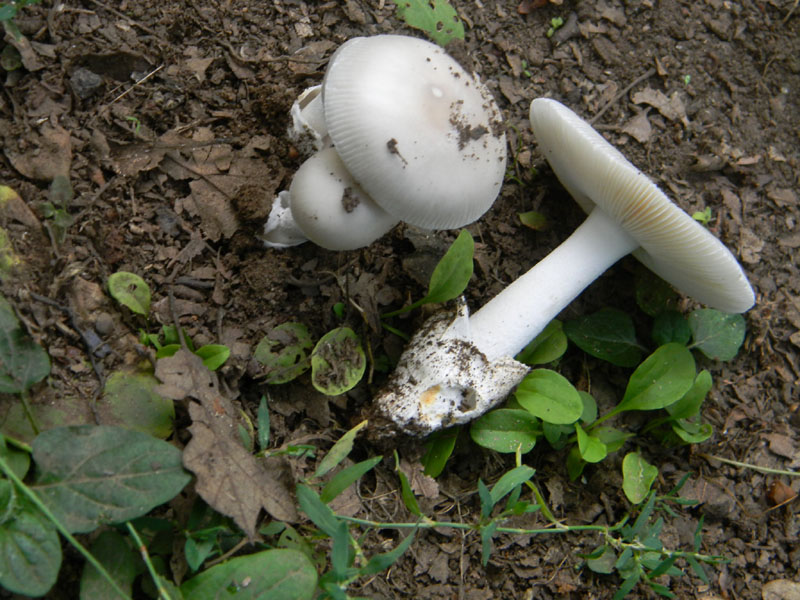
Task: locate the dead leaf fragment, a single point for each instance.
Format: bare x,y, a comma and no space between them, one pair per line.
671,107
49,154
639,128
229,478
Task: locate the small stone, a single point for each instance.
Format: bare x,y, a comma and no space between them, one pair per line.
104,324
84,82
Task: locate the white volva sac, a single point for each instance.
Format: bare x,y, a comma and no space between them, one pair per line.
627,213
420,136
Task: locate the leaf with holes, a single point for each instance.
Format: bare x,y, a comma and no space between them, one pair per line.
338,362
130,290
435,17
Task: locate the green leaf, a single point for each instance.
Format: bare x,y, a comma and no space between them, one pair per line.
130,401
383,561
510,480
18,461
662,379
130,290
637,477
604,563
263,423
22,361
654,295
546,347
692,435
319,512
613,439
337,362
591,448
607,334
506,430
485,497
451,275
549,396
91,475
405,490
589,413
213,355
689,405
342,480
120,561
275,574
284,352
339,450
30,551
716,334
435,17
533,219
438,449
575,464
671,326
627,585
487,533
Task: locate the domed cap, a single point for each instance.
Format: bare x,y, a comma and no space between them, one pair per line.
331,209
673,244
421,135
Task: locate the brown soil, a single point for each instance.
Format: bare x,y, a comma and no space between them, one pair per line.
173,176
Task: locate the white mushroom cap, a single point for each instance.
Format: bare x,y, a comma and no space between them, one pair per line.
421,135
673,245
331,209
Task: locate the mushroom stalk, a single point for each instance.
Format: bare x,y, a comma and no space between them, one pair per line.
521,311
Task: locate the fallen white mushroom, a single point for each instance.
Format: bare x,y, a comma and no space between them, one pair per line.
420,135
627,213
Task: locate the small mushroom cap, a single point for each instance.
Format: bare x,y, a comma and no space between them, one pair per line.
421,135
673,244
331,209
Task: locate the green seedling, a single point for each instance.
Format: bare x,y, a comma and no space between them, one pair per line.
555,24
9,10
55,208
703,216
437,18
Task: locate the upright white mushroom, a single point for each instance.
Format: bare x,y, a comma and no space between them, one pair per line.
420,135
627,213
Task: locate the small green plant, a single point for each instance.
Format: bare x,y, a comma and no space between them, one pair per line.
132,291
437,18
555,24
9,10
703,216
338,361
55,208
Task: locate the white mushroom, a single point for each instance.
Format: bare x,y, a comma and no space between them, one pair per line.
627,213
417,132
421,135
331,209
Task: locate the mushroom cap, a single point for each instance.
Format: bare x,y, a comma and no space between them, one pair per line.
331,209
421,135
673,244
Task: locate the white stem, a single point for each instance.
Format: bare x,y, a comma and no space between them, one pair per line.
520,312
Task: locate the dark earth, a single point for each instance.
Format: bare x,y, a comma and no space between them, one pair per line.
168,119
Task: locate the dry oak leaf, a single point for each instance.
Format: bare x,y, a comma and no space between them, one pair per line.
229,478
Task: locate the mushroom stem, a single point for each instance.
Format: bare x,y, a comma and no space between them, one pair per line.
521,311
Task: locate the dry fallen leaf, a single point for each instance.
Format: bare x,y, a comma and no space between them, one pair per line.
229,478
639,127
672,108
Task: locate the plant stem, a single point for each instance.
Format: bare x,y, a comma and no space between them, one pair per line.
736,463
61,529
469,527
162,593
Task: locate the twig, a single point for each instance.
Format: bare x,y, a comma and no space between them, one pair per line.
139,82
647,75
162,591
789,14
